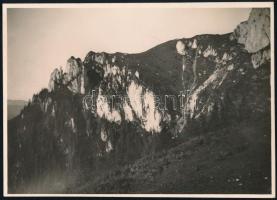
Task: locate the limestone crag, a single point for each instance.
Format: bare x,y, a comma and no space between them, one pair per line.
255,32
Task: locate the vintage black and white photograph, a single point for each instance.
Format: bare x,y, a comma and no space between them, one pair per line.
139,99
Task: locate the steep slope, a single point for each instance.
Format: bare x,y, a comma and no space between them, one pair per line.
111,110
213,163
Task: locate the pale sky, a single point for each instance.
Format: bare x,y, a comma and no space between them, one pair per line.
41,39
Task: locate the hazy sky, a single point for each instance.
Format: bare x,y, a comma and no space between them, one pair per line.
40,40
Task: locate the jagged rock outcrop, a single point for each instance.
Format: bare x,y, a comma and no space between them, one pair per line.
209,52
255,32
75,75
180,46
92,69
72,77
255,35
55,79
261,57
135,101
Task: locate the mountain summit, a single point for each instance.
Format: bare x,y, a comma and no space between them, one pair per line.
133,123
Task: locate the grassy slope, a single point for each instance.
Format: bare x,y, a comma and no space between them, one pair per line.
235,159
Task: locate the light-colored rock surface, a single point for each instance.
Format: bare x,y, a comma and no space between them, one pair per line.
73,77
54,79
210,51
260,58
255,32
74,74
194,44
180,47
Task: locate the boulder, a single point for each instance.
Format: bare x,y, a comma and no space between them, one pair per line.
180,47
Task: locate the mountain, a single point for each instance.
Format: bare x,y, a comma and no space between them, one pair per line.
14,107
114,123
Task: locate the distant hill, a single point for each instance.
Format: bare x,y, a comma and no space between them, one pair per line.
14,107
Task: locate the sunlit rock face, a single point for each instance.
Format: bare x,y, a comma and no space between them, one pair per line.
255,32
180,46
72,77
261,57
74,74
55,78
132,101
210,51
214,81
255,35
194,44
104,110
142,102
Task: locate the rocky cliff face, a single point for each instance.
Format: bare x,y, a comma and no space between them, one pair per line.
115,108
255,32
72,78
